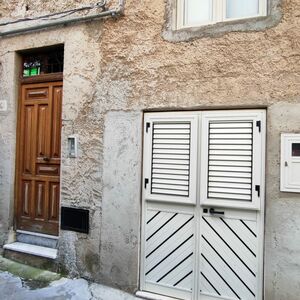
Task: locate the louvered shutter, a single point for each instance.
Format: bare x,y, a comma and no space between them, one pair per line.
170,157
231,155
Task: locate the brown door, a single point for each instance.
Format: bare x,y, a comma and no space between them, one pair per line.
38,159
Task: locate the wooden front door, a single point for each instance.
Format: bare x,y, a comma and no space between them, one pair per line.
38,157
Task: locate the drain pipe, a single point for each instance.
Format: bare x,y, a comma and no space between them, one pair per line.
119,10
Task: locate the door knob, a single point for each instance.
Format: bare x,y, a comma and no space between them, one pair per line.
215,212
46,158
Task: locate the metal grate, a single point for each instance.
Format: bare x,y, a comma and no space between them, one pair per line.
43,63
169,257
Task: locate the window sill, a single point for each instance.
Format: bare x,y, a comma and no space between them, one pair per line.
172,34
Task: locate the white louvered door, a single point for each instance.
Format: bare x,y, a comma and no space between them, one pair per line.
203,201
231,205
170,169
232,146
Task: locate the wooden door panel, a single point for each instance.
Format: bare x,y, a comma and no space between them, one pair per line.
40,200
37,93
53,201
43,131
28,139
48,170
38,161
26,192
56,124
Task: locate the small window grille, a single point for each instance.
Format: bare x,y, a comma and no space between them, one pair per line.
43,63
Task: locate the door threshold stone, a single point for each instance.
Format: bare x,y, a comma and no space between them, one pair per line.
32,250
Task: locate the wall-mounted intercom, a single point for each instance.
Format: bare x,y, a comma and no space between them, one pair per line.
290,162
72,145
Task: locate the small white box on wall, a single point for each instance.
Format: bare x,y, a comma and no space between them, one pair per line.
290,162
72,146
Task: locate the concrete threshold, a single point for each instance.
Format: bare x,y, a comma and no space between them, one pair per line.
32,249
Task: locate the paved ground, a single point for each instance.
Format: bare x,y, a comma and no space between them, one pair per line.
22,282
14,288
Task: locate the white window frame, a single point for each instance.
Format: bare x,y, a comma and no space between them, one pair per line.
218,13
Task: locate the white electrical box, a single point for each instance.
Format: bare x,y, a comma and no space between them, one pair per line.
290,162
72,146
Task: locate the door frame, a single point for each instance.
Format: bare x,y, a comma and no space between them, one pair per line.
260,213
43,78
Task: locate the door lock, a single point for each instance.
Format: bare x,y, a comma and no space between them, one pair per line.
46,158
215,212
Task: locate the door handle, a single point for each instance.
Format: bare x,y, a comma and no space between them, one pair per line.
46,158
215,212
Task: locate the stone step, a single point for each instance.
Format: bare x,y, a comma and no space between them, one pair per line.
37,239
35,250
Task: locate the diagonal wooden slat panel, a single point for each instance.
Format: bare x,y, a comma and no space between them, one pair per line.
215,279
181,239
231,275
231,255
243,252
163,234
169,249
228,258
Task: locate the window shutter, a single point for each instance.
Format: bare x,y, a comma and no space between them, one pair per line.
170,157
232,148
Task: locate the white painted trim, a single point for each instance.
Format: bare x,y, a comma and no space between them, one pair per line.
32,249
152,296
162,289
218,14
38,234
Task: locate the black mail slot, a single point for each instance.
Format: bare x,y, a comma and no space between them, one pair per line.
75,219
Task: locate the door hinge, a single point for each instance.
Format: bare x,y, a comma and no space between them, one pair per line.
257,189
258,124
147,126
146,182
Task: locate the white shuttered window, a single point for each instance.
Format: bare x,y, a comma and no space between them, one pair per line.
170,156
232,147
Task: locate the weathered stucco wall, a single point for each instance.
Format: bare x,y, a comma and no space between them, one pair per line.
115,69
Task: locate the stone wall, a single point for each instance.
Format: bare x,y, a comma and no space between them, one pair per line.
116,68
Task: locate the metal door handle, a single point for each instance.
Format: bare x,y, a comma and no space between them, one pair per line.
213,211
46,158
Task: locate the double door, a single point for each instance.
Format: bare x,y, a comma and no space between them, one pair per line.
203,201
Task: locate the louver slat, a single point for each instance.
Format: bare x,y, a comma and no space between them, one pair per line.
171,158
230,160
